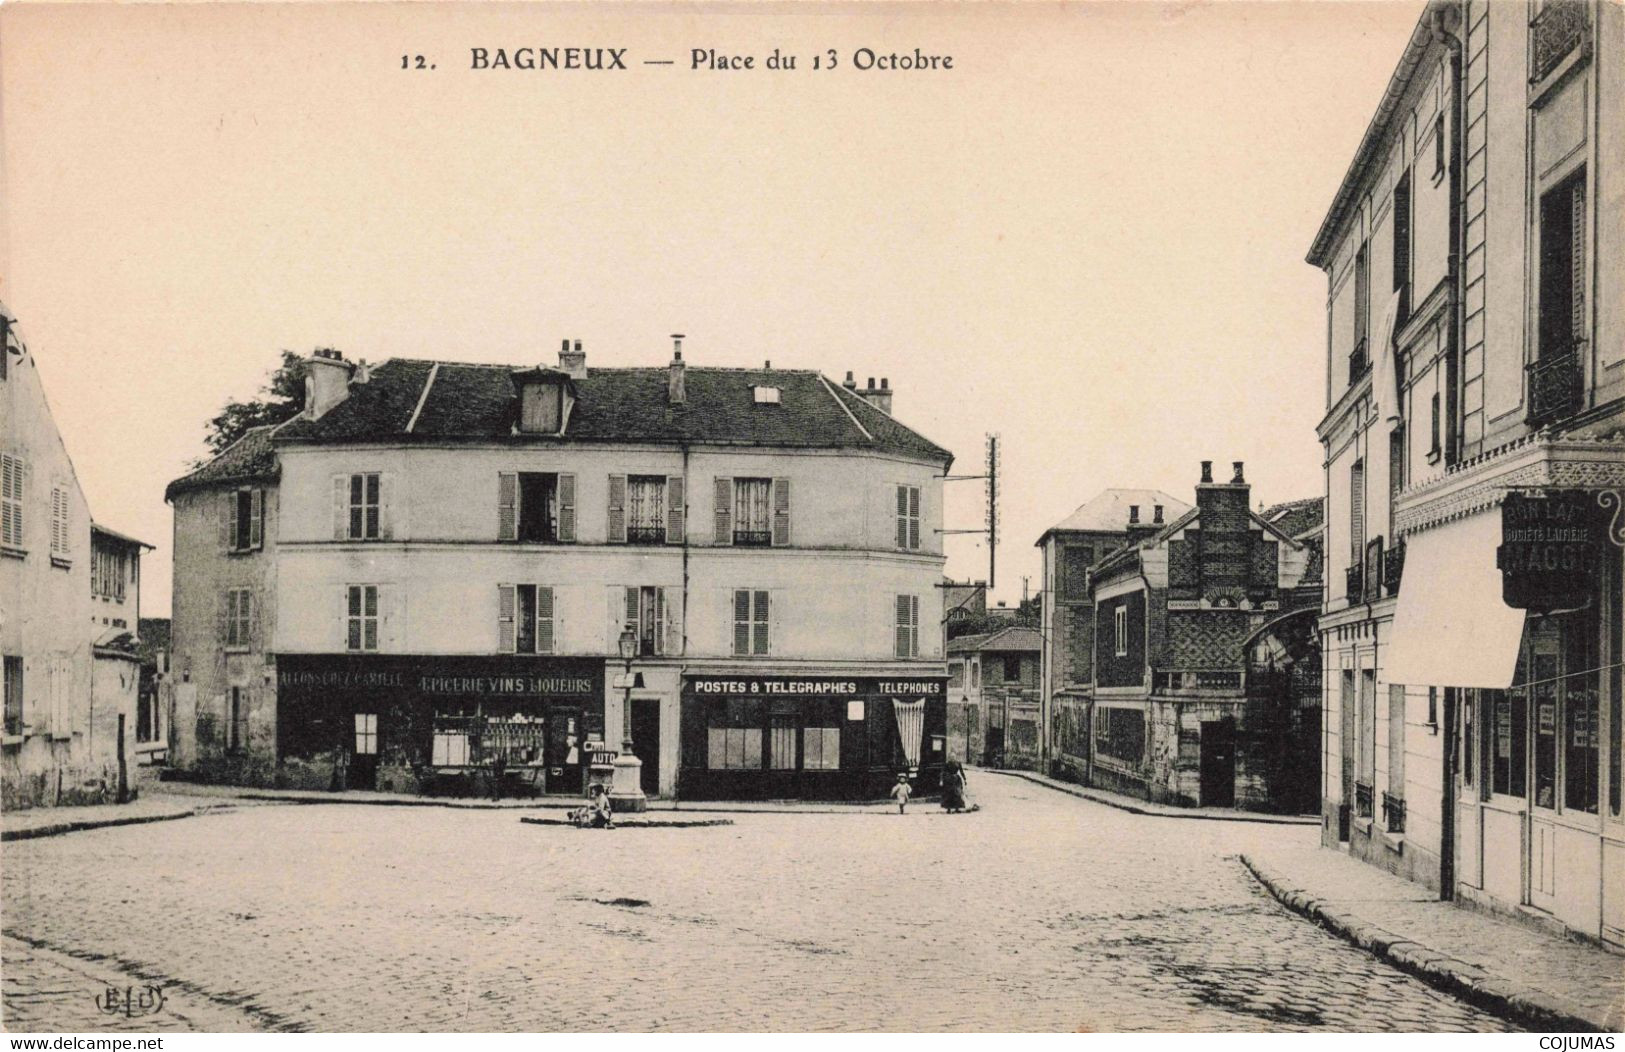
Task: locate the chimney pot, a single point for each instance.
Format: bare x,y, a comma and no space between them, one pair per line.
566,348
1238,477
1207,471
578,345
883,383
573,363
676,382
871,383
768,365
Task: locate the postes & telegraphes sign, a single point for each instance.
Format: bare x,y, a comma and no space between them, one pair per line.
1552,546
816,687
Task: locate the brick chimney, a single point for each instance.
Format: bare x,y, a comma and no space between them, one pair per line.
327,381
879,397
676,383
573,362
1225,543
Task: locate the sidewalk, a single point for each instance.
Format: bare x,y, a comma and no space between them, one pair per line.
1135,805
1542,981
53,821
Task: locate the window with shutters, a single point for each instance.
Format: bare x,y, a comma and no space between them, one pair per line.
646,613
750,622
61,529
525,619
536,507
753,513
1562,268
646,509
239,617
908,518
244,519
1357,513
361,622
109,570
13,472
908,626
365,507
1402,246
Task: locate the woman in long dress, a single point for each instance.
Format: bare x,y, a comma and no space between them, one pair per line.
953,787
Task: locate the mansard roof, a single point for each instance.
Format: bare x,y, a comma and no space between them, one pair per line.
417,401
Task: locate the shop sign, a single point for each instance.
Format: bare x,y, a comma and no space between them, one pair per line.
812,687
1551,549
442,678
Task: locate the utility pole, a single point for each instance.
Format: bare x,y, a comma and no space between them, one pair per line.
991,525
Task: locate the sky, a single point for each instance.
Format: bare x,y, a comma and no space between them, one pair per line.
1086,236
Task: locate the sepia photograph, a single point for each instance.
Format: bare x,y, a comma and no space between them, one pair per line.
891,518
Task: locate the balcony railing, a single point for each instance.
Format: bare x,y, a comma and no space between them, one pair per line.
1393,567
1393,813
1556,388
1354,582
646,535
1362,800
1196,679
1359,362
753,538
1556,31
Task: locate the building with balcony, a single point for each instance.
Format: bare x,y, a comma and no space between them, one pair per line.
1475,370
69,612
1180,617
1097,527
421,583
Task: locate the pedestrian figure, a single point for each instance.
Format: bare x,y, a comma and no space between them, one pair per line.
953,787
901,792
596,814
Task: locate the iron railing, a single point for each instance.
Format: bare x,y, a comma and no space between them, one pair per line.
753,538
1354,584
1393,812
1393,568
1362,800
1558,29
1359,362
1556,389
646,535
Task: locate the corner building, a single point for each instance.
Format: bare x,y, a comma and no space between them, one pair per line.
422,582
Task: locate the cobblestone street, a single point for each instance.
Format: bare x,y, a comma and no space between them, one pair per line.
1040,912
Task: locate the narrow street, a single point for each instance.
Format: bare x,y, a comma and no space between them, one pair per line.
1040,912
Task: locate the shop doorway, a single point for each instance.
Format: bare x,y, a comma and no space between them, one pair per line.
1218,763
364,757
562,752
646,741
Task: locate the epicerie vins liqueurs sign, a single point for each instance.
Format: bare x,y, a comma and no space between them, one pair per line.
1551,549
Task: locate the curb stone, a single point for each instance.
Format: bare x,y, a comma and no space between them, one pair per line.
90,823
1099,797
1520,1004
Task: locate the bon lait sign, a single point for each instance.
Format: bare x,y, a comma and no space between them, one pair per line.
1552,544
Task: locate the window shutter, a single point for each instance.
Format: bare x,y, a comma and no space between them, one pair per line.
544,619
781,512
914,625
341,507
253,618
1577,262
671,628
902,516
759,642
900,621
676,514
724,490
256,518
507,506
386,494
741,607
222,621
226,519
1357,512
505,618
617,509
567,507
913,517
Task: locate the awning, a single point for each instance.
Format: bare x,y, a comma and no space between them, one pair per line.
1451,628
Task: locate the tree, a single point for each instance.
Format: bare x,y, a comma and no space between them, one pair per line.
281,397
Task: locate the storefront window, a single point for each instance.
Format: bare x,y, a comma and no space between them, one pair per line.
1507,735
1468,750
781,744
1581,710
734,736
1120,734
821,748
1544,690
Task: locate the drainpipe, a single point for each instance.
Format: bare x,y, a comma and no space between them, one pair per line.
688,501
1447,37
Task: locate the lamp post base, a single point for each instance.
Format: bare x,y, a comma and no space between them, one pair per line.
626,787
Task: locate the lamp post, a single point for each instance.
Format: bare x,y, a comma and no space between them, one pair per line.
626,786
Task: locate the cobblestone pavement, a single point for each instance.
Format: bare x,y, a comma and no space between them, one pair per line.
1040,912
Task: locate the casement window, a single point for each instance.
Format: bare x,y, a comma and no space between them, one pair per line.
236,618
751,512
242,519
908,518
646,509
536,507
1402,245
1075,561
1396,472
733,735
1362,307
1366,742
653,619
1357,513
1563,268
148,718
449,749
1433,427
236,720
525,619
13,476
360,507
361,625
907,624
366,734
61,528
11,669
750,622
109,571
1120,631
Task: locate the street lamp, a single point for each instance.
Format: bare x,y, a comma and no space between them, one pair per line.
626,786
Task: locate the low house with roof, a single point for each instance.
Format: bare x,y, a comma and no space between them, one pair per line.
993,704
427,578
1182,616
1100,525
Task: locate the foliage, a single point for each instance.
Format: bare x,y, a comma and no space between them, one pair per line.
281,397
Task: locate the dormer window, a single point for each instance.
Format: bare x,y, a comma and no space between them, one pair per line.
544,401
765,395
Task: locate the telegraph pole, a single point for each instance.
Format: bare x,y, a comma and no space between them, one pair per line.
991,526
